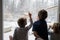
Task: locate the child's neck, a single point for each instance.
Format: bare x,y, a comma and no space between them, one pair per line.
41,19
22,26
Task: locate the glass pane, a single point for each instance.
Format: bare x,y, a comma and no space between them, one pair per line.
14,9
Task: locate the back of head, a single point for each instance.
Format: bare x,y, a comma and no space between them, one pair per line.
22,22
56,27
42,14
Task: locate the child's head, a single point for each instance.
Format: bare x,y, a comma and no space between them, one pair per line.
42,14
56,27
22,22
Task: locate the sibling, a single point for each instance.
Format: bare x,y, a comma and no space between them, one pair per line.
56,32
21,33
40,26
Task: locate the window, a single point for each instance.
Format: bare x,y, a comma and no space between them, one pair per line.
14,9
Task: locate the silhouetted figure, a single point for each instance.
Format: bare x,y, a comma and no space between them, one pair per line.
56,31
21,32
40,26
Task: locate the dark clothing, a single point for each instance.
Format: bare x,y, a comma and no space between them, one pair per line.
21,33
55,36
40,27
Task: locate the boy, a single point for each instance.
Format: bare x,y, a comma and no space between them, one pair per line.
40,26
21,33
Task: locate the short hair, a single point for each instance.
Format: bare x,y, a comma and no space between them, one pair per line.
43,14
56,27
21,22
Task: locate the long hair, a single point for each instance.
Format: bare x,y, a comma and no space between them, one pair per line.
56,27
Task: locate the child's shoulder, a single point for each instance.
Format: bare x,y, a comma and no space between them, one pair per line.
36,22
16,28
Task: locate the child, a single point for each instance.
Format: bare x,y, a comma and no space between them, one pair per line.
40,26
56,32
21,33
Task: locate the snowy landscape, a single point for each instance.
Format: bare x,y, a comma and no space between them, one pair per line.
14,9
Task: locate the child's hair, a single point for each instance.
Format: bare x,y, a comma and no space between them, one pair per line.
42,14
56,27
22,22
